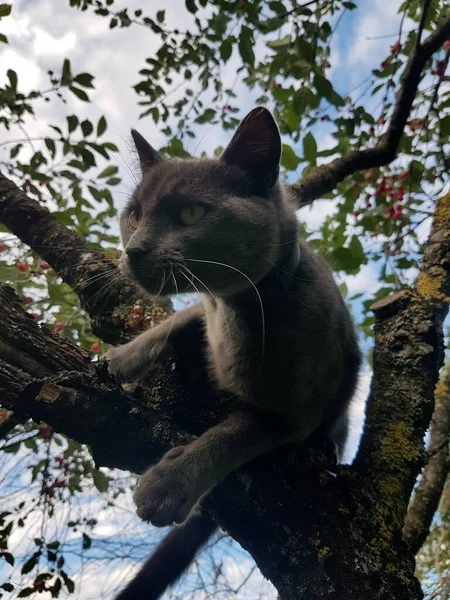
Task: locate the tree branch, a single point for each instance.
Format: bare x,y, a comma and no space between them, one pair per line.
85,270
425,501
326,177
408,354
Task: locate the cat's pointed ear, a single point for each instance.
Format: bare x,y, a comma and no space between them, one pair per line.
148,157
256,147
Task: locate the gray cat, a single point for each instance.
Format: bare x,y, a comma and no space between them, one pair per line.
277,333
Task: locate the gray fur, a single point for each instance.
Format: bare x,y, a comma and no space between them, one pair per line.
292,359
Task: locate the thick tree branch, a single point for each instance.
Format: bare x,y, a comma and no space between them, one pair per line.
408,354
45,377
425,501
326,177
85,270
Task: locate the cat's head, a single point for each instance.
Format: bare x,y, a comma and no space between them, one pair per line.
215,225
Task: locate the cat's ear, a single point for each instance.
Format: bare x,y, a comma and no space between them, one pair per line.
256,147
148,157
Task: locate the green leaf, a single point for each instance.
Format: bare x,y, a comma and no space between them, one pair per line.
81,94
25,592
9,558
281,44
323,86
5,10
160,16
289,160
84,79
70,585
101,126
190,5
100,480
226,49
309,147
207,116
8,587
86,127
3,38
30,564
87,542
246,46
51,146
444,124
113,181
66,76
12,76
15,150
72,122
111,170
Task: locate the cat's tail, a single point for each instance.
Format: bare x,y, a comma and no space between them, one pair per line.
171,558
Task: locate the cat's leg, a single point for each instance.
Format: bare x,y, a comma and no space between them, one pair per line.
167,492
131,361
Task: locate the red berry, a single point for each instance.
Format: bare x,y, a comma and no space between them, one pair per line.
45,266
184,42
2,247
29,299
383,64
373,233
356,213
447,45
95,348
440,68
266,89
404,175
372,130
395,49
35,316
58,325
381,121
22,267
45,431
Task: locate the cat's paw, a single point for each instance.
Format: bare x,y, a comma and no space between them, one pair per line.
164,494
132,361
125,362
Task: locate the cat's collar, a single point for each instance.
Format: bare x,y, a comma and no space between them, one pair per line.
281,277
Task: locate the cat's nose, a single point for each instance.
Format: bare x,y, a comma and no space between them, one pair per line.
135,254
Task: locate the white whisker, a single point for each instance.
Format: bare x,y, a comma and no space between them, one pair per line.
263,320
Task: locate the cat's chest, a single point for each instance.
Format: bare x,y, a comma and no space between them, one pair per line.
228,341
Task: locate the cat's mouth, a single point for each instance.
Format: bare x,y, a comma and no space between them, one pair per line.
155,279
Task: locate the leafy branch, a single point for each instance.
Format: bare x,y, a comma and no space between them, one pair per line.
325,178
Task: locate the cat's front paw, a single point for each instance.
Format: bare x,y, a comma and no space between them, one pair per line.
126,362
164,494
132,361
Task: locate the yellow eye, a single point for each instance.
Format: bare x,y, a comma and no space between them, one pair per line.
133,221
190,215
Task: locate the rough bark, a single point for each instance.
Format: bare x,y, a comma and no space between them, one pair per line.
427,495
311,534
